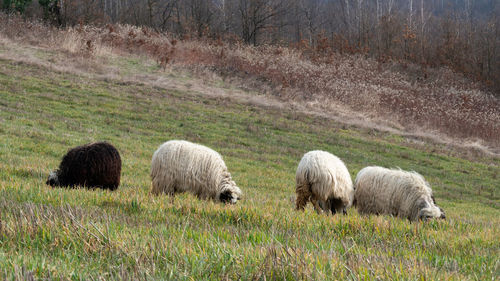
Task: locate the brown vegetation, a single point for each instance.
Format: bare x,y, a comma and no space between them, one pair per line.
410,97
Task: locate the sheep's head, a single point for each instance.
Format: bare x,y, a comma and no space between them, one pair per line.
53,179
429,210
337,206
230,193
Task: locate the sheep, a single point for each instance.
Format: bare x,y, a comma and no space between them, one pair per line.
91,165
323,179
396,192
179,166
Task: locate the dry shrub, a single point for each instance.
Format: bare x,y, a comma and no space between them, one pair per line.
90,40
436,99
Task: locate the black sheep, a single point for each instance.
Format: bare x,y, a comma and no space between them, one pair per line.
90,165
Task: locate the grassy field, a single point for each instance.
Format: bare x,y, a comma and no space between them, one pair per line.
130,234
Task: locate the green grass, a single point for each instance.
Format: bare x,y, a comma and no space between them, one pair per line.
130,234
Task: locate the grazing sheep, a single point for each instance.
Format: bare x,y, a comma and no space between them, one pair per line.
399,193
90,165
180,166
323,179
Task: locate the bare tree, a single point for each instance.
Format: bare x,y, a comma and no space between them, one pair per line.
167,9
311,10
225,11
256,15
424,18
200,14
347,17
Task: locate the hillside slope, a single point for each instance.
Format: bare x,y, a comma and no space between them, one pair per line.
81,234
433,104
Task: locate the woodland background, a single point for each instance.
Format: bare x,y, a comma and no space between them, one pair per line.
463,35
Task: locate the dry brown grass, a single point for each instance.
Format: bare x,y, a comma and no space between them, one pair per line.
429,102
444,102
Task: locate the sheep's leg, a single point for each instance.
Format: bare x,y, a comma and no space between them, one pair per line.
316,205
156,190
303,195
172,197
170,191
324,205
168,188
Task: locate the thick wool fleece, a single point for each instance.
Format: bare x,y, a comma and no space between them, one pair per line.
180,166
323,179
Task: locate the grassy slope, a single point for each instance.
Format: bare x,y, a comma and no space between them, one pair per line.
131,234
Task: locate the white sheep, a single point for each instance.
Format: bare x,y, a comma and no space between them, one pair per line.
180,166
323,179
396,192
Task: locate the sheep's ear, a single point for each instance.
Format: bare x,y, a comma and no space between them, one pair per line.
226,196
